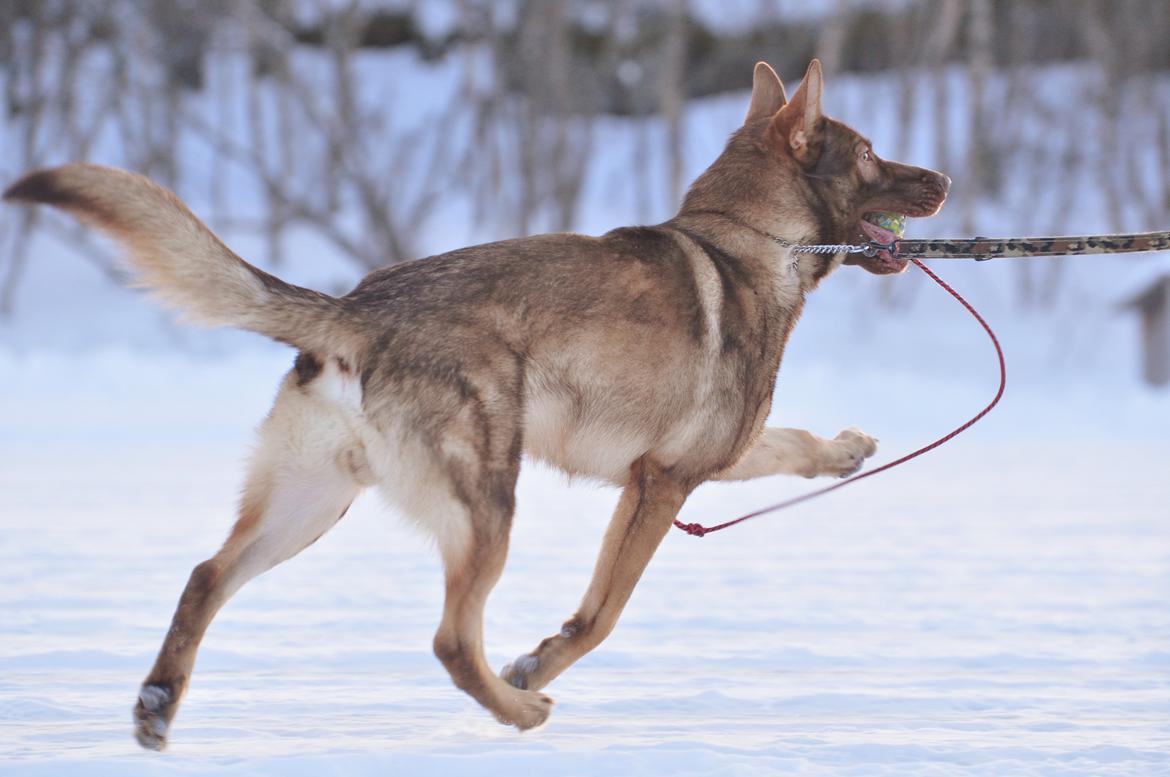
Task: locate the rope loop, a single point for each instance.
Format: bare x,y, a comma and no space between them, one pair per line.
698,530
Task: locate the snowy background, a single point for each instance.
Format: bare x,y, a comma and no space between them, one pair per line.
998,607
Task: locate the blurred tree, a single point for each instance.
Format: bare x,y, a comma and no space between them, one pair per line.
277,95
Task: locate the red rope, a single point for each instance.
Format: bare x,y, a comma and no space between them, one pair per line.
698,530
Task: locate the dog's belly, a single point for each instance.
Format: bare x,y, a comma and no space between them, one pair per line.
604,440
593,447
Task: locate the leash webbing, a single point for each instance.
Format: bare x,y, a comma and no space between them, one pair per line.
983,248
698,530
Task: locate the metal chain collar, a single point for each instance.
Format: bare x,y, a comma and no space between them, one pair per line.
869,249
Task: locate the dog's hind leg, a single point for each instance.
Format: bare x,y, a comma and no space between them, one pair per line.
648,505
306,471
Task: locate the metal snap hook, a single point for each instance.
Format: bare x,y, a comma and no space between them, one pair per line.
873,247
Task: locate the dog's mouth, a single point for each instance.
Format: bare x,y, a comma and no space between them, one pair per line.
883,262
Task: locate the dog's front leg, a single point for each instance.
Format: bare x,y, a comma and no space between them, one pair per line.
797,452
648,505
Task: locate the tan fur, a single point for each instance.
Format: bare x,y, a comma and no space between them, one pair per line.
797,452
182,262
645,357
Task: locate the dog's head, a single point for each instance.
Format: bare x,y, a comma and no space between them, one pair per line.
838,167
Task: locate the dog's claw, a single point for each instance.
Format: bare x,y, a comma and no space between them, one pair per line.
516,673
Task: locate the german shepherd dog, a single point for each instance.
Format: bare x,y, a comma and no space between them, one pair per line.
645,357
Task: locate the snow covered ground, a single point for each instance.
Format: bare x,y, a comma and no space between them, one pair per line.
996,608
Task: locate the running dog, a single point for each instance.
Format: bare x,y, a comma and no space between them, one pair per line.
645,357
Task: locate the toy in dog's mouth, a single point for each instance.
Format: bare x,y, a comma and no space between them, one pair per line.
882,227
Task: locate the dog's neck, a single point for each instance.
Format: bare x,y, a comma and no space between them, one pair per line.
757,245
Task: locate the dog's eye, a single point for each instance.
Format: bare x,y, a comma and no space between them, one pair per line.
866,156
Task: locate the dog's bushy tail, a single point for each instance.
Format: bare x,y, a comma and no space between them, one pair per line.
182,262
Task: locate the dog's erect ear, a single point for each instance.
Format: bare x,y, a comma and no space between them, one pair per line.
800,120
767,93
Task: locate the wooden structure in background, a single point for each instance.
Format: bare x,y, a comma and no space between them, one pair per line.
1153,308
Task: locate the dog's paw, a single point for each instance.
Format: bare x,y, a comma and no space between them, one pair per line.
526,709
152,716
516,673
848,452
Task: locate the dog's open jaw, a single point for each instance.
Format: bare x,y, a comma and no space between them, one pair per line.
884,263
926,204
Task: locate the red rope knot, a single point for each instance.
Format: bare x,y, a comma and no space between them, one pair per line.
693,529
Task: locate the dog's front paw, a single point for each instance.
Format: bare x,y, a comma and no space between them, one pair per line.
848,452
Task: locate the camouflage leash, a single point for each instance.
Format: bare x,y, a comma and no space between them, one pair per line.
983,248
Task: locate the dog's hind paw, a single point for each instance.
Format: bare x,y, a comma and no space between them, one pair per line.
526,709
151,716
